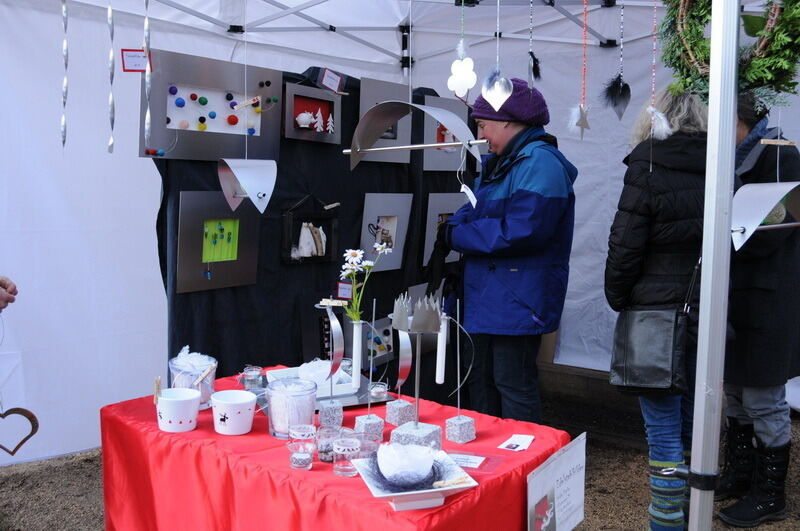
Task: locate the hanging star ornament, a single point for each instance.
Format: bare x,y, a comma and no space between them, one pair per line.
581,118
496,90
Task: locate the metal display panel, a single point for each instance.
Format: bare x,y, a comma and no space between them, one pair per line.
448,158
374,92
385,220
440,207
324,128
197,269
176,69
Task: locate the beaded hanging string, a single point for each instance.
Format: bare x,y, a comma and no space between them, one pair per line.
111,65
653,110
617,93
580,115
247,107
64,84
533,67
584,47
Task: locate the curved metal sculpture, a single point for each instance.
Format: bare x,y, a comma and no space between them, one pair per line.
385,114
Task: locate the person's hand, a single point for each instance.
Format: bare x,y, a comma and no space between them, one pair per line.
8,292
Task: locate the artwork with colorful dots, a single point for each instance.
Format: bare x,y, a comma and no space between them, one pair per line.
220,240
312,114
200,109
214,111
217,248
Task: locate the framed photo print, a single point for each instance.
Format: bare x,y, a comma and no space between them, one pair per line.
385,221
312,114
444,158
440,208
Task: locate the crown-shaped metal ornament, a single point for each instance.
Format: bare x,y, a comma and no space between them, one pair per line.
427,316
401,313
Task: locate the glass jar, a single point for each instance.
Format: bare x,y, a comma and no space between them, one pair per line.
290,401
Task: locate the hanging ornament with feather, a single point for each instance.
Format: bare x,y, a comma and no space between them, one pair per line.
579,117
462,72
617,94
496,88
533,66
660,127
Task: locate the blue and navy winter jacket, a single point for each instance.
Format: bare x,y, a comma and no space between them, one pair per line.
516,241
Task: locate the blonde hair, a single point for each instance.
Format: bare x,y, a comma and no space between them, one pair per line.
684,112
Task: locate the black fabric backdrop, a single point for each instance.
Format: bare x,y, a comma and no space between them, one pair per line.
274,321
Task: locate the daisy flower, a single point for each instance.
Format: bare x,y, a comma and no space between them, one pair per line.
353,256
381,248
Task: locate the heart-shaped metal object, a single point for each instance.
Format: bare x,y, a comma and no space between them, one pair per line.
496,90
30,417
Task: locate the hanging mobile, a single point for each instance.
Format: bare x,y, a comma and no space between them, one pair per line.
496,88
659,125
580,114
111,66
64,85
617,93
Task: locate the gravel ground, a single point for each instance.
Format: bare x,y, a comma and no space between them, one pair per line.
66,492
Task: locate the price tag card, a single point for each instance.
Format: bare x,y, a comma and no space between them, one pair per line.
133,60
344,290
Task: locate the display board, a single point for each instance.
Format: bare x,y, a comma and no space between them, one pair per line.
443,158
201,109
217,248
374,91
385,221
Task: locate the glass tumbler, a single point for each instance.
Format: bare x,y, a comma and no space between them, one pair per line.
301,454
302,432
369,444
345,449
251,376
290,401
325,438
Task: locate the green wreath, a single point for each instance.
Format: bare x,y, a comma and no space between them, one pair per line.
766,68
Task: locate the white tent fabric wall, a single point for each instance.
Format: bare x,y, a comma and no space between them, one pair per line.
89,327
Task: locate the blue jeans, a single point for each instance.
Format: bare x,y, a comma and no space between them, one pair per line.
668,422
504,380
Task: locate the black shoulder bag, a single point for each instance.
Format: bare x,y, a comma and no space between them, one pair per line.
649,354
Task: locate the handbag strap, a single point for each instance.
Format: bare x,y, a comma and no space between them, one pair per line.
695,272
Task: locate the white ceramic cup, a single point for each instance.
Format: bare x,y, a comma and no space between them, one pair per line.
233,411
177,409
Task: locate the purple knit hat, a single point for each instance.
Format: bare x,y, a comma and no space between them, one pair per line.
525,105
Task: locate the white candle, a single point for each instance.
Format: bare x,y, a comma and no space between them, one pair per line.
441,349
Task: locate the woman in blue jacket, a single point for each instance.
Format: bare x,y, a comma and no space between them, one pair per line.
516,242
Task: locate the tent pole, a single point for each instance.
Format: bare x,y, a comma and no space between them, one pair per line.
284,13
716,254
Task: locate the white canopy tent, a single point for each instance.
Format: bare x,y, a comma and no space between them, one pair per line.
89,327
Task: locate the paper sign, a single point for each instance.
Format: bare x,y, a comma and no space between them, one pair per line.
471,196
467,461
517,442
331,80
133,60
344,290
556,489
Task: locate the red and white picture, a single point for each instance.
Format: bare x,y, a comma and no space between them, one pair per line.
313,114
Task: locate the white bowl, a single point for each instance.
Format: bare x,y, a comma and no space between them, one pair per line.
233,411
177,409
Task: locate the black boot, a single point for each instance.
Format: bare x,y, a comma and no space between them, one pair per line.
740,458
766,499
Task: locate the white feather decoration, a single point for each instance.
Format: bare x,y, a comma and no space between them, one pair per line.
661,128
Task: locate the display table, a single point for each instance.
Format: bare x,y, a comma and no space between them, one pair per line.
201,480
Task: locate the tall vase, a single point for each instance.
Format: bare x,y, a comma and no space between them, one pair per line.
358,340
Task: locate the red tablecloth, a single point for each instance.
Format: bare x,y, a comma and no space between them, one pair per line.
201,480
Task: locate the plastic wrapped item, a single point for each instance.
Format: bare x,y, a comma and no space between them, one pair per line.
317,371
405,464
187,367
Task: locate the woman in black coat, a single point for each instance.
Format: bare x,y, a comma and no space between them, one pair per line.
765,282
653,248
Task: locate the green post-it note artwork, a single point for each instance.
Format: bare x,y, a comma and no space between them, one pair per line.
220,240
